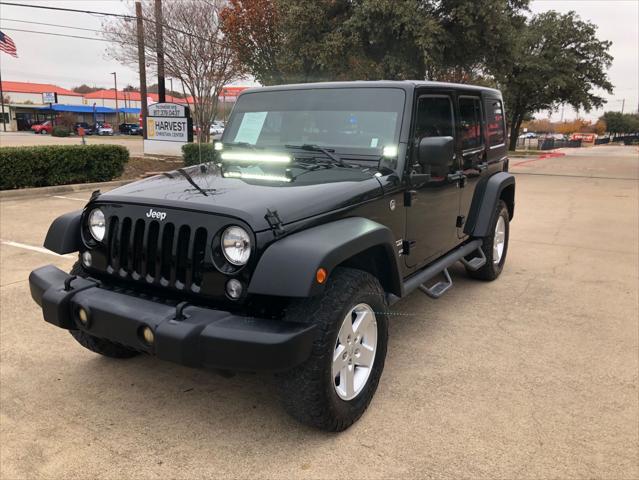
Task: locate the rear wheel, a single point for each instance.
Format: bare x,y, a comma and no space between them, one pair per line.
95,344
495,245
333,388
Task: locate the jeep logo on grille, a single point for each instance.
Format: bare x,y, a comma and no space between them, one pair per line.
155,214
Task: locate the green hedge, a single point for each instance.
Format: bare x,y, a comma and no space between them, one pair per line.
22,167
196,153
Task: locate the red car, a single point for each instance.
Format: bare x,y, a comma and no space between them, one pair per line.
43,128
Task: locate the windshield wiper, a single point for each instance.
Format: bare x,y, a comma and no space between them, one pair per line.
316,148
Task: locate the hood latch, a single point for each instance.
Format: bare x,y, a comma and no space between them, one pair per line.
275,222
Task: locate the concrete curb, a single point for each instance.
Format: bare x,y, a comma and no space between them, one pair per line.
44,191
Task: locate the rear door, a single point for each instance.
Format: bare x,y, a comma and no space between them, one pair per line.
473,150
431,218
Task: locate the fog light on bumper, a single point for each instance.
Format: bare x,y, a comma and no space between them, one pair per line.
83,316
148,336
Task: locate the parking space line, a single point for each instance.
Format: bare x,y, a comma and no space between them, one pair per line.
69,198
33,248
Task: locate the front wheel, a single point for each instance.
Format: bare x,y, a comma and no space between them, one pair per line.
333,388
495,245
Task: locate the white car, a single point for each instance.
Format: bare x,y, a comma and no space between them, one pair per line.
104,129
217,128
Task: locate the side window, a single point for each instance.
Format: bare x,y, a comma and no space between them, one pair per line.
434,117
495,122
470,120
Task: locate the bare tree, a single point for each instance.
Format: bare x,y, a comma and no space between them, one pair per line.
195,52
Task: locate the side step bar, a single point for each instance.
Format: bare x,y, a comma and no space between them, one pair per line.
415,281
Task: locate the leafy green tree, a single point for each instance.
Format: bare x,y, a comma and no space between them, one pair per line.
556,59
472,37
619,123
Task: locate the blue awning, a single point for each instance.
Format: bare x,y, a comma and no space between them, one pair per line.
56,107
129,110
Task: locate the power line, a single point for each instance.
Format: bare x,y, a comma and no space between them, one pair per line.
128,17
91,12
52,25
64,35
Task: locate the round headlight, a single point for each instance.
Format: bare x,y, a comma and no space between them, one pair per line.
97,224
236,245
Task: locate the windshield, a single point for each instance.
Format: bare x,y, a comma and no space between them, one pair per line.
358,121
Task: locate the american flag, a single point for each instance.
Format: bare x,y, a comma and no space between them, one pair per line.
7,45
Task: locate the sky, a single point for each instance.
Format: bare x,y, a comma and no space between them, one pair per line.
69,62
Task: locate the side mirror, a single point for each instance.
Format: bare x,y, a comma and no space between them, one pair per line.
436,151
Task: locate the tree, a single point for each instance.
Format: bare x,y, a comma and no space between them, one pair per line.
472,37
619,123
84,89
556,59
196,52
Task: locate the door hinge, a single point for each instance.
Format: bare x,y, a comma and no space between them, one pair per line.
407,245
410,197
460,221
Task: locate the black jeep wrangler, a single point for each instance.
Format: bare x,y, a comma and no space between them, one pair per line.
324,204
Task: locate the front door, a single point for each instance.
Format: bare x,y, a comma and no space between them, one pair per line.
432,216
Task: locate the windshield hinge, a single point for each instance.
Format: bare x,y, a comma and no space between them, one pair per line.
275,222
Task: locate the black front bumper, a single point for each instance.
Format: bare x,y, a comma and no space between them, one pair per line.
202,338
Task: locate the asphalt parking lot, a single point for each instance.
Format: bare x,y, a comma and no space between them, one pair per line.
532,376
23,139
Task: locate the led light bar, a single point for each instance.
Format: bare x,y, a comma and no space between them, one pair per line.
390,151
255,157
256,176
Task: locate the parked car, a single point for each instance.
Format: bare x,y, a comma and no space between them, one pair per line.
43,128
88,130
285,252
217,128
528,135
103,128
130,129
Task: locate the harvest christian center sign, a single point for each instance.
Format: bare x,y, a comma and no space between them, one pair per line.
167,122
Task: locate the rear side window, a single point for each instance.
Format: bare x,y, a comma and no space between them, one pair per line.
470,118
495,123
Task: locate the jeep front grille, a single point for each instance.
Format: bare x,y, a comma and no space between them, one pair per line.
160,253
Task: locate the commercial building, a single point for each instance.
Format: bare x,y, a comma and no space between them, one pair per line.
28,103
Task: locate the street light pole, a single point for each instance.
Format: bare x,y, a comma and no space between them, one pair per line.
117,110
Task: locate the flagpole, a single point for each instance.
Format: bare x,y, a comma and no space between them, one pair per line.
4,125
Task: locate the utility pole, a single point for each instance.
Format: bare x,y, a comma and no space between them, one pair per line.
160,49
171,82
117,109
4,125
141,64
623,104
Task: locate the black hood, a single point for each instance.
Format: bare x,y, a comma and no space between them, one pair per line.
296,194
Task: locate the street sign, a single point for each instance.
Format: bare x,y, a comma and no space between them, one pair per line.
49,97
169,122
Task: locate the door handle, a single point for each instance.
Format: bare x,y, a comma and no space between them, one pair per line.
482,166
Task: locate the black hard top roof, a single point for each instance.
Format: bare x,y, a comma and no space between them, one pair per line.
404,84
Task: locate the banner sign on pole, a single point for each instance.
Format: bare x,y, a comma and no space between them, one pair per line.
169,122
49,97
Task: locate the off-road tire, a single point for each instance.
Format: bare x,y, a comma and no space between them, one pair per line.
308,391
490,271
95,344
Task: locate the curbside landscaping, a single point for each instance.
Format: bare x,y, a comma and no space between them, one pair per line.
48,165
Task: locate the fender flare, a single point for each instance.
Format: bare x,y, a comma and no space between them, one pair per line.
64,233
485,199
287,268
